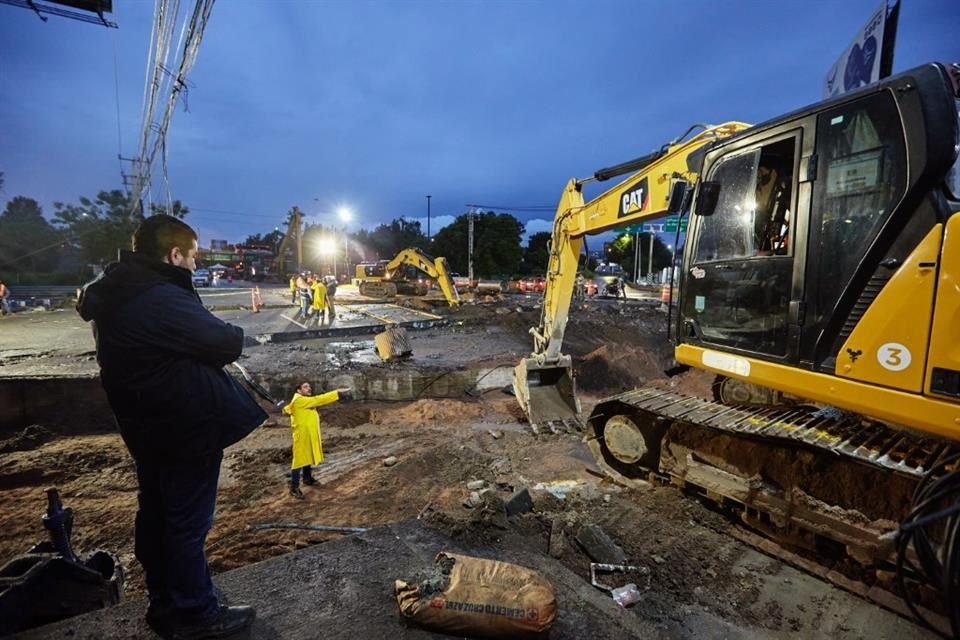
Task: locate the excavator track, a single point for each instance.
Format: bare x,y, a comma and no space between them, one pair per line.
803,477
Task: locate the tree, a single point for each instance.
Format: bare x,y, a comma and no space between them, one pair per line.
496,246
622,251
536,254
100,228
27,240
387,240
177,209
272,239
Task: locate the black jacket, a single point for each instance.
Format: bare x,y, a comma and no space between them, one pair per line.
161,356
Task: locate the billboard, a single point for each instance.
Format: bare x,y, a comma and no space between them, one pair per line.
869,57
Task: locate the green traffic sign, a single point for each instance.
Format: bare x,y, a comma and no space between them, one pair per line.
670,225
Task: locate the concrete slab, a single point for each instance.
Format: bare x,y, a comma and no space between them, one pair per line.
344,589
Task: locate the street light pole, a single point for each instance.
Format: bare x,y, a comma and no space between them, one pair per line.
428,218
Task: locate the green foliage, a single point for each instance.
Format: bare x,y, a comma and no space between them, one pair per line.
536,254
496,244
177,209
101,227
623,252
27,241
387,240
272,239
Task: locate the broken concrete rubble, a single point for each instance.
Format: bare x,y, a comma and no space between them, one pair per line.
520,502
598,545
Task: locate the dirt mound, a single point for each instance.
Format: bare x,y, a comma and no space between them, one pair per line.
30,438
615,368
429,412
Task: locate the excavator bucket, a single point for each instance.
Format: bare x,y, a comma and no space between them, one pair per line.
547,392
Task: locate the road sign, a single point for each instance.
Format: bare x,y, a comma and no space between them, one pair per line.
670,225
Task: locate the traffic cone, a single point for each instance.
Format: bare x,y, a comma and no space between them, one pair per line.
255,300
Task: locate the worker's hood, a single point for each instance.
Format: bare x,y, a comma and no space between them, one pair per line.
122,281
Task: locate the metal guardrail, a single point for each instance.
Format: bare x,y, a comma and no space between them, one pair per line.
42,295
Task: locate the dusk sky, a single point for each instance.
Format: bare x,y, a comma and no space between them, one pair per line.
373,105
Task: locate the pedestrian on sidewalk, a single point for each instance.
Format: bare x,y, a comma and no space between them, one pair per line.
157,345
4,298
305,427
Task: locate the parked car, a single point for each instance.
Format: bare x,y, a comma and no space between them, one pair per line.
201,278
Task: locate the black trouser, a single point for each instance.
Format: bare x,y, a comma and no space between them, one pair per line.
177,501
295,476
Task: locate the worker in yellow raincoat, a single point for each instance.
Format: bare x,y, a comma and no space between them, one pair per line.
293,290
305,423
319,304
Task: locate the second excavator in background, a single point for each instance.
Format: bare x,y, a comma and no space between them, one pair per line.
386,280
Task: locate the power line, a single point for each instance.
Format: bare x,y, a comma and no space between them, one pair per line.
508,208
235,213
116,93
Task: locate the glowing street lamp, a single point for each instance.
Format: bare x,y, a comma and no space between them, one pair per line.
327,246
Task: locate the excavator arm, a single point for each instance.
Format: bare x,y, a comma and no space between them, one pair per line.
436,268
543,383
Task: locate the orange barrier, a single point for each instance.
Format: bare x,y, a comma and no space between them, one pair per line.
255,300
665,294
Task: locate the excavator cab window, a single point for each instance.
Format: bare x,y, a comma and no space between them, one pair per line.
739,287
861,177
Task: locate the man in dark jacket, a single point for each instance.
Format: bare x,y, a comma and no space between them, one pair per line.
161,356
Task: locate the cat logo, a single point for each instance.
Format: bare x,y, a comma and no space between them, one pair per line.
635,200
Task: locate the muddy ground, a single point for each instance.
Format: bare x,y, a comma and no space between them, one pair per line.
441,445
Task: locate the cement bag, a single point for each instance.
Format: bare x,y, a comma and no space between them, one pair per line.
477,597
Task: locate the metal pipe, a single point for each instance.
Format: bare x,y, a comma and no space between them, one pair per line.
309,527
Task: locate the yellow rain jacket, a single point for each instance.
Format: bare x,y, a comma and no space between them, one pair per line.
305,421
319,295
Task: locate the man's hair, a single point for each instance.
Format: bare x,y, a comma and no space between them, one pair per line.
158,235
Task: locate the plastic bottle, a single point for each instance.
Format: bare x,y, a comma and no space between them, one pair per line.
626,595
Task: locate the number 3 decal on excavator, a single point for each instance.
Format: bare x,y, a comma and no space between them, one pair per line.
893,356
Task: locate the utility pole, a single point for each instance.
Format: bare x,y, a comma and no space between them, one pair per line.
428,218
296,225
636,258
470,246
650,271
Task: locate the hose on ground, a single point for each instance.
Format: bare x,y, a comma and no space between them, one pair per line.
932,532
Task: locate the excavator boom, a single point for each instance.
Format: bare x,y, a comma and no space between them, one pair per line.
543,383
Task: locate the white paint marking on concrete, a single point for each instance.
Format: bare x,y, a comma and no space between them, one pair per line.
293,321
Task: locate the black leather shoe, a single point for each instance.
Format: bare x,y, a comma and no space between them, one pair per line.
160,617
226,622
309,481
295,492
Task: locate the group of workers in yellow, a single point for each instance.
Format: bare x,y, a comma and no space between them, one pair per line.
315,296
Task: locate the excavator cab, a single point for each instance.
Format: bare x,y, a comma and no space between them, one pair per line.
824,249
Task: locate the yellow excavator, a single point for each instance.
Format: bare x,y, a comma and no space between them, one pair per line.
820,282
373,282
